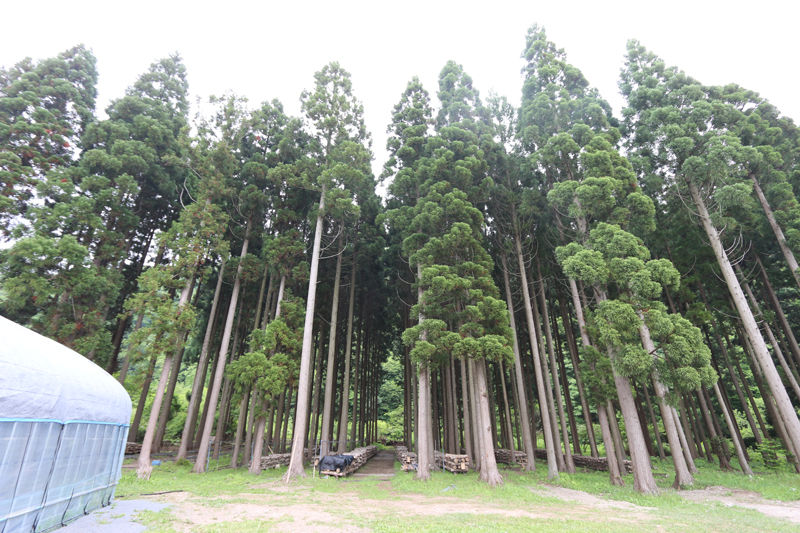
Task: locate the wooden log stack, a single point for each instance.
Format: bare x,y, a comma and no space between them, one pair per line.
599,464
400,453
275,460
501,455
408,459
360,456
581,461
132,448
455,463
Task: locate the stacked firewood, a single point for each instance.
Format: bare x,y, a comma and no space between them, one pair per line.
275,460
457,464
597,463
502,455
132,448
400,453
584,461
360,456
408,460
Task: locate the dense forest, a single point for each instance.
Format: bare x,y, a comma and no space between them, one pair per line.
548,276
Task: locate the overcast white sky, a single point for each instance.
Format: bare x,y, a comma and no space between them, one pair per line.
272,49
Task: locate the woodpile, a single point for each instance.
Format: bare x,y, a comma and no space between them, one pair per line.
407,459
597,463
584,461
501,455
360,456
400,453
132,448
275,460
455,463
451,462
581,461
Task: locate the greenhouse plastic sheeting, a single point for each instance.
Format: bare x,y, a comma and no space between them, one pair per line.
63,428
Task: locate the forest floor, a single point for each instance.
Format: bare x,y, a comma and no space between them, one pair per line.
381,498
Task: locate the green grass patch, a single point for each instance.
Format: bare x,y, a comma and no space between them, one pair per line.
520,490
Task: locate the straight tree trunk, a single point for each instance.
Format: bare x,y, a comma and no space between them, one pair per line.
286,417
258,441
509,430
643,480
144,467
776,305
775,346
551,404
200,466
451,375
356,389
643,423
569,463
330,379
137,418
550,445
317,393
688,431
700,431
260,303
425,436
301,411
683,476
258,448
573,352
477,441
716,439
787,252
477,438
777,421
731,373
654,420
737,443
783,404
614,467
562,372
163,418
680,460
527,438
465,406
489,472
687,454
203,416
240,429
348,346
256,403
746,388
200,375
619,446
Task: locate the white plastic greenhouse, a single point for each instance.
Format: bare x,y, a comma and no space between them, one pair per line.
63,426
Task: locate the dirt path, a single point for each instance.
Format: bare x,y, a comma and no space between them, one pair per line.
747,499
295,510
585,498
381,465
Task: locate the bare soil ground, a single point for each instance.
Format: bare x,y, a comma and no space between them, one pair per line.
747,499
302,513
300,508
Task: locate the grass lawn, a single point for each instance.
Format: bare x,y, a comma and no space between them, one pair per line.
226,500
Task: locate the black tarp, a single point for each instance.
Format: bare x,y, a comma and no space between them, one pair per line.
332,462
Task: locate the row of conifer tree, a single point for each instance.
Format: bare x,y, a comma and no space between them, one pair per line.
546,274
